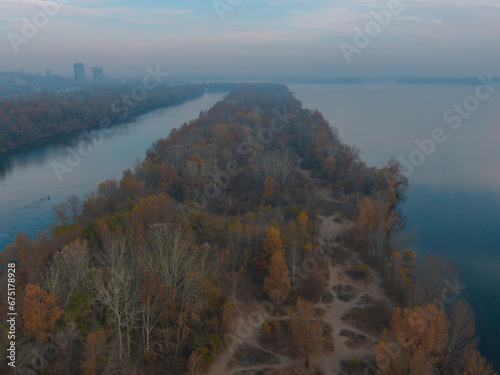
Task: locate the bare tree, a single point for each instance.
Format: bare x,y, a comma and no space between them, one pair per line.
61,214
118,290
461,333
294,257
375,222
69,271
157,305
183,268
432,274
285,166
171,254
276,164
74,206
67,212
473,363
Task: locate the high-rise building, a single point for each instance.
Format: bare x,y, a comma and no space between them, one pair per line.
48,72
97,74
79,72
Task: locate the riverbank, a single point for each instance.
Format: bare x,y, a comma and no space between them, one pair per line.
21,199
37,119
453,200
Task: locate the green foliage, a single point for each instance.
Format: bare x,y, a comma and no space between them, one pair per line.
114,221
206,346
353,364
67,229
291,211
79,310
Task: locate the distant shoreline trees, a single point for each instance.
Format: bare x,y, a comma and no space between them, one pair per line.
28,119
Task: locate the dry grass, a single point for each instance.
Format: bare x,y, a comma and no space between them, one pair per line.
356,340
372,320
340,256
247,290
355,366
345,292
327,298
248,355
280,340
359,273
326,333
291,370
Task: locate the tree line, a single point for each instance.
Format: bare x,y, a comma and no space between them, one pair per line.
26,119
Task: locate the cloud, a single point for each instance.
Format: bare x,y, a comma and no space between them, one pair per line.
173,11
294,33
27,8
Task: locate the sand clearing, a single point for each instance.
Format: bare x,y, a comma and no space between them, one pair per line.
331,227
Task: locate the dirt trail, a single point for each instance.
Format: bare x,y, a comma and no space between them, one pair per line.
249,319
331,227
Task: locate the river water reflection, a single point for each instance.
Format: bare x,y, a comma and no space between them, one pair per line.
27,179
454,196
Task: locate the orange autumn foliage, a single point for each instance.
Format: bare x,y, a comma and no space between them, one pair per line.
475,364
306,330
272,242
416,341
39,312
95,350
277,284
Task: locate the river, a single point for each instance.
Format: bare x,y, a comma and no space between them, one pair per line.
454,195
28,179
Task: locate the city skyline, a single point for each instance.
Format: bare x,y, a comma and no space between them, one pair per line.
80,73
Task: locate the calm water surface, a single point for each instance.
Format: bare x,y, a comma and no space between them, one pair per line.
454,196
27,179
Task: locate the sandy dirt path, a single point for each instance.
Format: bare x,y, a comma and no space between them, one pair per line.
331,227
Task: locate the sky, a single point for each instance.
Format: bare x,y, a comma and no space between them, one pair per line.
253,38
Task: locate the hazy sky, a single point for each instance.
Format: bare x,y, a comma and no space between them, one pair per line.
253,37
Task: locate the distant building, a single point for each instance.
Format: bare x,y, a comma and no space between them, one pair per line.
79,72
48,72
97,74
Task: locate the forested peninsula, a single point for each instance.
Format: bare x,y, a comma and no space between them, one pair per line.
251,240
28,119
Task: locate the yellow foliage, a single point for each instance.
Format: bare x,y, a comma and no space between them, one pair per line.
272,242
277,284
309,247
266,330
